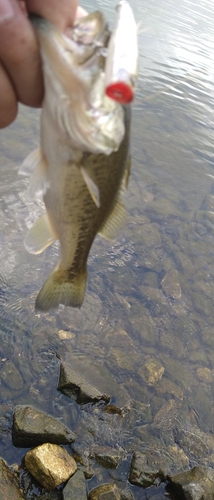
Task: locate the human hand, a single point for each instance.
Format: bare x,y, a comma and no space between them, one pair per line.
20,65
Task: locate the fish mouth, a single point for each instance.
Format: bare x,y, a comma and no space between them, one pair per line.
85,40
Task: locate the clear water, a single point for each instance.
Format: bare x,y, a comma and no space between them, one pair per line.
150,293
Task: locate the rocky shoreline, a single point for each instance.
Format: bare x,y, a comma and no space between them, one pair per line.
56,468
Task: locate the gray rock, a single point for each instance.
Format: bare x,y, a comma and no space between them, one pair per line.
74,385
170,284
11,376
151,371
32,427
105,456
145,469
9,483
50,464
196,483
75,488
105,492
127,494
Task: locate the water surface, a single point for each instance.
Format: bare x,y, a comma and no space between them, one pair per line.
150,293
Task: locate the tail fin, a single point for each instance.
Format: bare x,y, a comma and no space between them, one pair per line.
62,288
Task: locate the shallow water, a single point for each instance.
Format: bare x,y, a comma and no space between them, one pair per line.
150,293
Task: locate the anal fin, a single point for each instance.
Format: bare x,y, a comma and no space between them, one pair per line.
39,236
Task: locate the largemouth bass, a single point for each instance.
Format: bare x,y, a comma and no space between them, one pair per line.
82,164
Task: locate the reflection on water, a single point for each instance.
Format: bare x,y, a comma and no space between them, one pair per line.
149,303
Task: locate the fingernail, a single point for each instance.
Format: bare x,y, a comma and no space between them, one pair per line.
6,10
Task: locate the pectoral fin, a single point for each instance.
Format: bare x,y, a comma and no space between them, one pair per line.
115,221
39,236
36,165
92,187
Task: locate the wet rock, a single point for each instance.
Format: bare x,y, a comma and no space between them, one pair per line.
105,456
146,469
64,335
205,375
150,279
154,300
11,376
127,494
140,413
32,427
100,376
179,373
30,488
170,284
105,492
150,236
9,483
75,488
143,326
123,359
166,386
196,484
74,385
194,441
179,458
151,371
50,464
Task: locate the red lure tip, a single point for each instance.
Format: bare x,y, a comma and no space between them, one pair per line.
120,92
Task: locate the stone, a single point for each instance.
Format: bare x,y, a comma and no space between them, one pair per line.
145,469
32,427
11,376
204,374
105,456
127,494
151,371
105,492
75,488
50,464
74,385
167,386
9,483
170,284
196,483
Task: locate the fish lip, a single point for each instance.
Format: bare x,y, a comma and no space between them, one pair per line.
85,45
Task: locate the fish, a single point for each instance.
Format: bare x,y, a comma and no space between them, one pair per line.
121,67
82,166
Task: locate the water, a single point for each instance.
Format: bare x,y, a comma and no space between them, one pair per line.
150,293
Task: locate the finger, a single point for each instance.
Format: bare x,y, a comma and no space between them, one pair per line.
8,100
59,12
80,12
19,53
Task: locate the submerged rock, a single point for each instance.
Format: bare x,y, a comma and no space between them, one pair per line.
75,488
74,385
9,483
151,371
50,464
105,456
170,284
146,469
105,492
127,495
11,376
196,483
32,427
